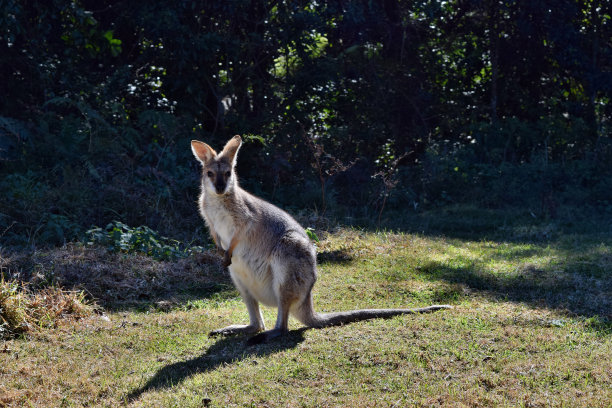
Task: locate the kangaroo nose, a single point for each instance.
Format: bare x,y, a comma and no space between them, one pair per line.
220,184
220,188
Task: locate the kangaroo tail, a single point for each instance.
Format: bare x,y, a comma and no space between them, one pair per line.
319,320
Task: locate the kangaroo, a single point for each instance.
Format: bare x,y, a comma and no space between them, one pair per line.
269,256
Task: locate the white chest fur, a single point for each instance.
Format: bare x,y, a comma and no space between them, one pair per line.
223,225
218,219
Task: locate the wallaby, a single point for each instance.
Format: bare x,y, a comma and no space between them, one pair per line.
269,256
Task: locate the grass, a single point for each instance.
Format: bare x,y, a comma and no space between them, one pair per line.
531,327
24,310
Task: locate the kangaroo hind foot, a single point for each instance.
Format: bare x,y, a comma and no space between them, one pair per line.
236,329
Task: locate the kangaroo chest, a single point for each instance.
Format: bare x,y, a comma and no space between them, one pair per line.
249,269
220,223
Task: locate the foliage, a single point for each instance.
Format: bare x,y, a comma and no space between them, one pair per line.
101,99
119,237
12,315
312,234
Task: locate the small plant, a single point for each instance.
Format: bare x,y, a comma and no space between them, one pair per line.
312,235
389,163
118,237
12,315
326,166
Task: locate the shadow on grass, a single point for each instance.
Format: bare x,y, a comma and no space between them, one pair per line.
577,280
501,225
225,351
579,294
118,281
338,256
177,293
580,282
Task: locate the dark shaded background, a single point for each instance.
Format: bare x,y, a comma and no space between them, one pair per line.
360,110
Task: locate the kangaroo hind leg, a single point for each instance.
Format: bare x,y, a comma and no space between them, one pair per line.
285,300
293,272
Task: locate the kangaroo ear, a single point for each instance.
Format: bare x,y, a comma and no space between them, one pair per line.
231,148
202,151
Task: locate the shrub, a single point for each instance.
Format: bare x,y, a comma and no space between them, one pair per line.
118,237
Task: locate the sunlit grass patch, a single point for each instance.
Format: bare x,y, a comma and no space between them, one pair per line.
573,274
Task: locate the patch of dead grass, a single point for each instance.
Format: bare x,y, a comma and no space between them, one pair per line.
41,288
24,310
114,280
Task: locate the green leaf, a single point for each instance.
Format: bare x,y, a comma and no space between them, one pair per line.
311,234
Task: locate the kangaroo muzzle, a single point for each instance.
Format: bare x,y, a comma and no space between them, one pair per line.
220,184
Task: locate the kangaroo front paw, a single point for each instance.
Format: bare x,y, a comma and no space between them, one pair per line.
227,259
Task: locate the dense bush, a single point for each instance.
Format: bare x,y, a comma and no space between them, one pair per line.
346,107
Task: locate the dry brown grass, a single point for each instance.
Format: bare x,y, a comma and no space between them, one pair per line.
40,288
25,310
114,280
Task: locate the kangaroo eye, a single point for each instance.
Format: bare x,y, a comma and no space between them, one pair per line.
227,174
210,174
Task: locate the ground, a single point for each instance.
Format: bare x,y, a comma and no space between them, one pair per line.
530,327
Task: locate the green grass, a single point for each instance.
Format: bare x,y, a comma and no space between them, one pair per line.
531,327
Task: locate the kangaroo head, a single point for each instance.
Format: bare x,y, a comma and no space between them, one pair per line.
218,173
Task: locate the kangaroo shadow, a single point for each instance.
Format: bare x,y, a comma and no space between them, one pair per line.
225,351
